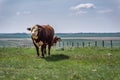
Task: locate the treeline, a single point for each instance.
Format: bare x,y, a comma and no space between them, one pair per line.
14,35
26,35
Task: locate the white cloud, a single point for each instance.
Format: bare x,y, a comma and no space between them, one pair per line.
81,6
105,11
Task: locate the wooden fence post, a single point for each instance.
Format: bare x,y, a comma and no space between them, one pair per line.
67,44
63,44
72,44
83,44
89,44
111,43
55,45
77,44
59,44
103,44
95,43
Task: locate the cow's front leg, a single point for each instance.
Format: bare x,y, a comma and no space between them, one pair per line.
37,48
43,49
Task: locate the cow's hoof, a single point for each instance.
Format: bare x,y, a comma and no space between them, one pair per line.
42,56
37,57
48,54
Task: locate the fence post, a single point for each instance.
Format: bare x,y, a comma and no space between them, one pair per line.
72,44
67,43
59,44
111,43
89,44
103,43
77,44
83,44
55,45
95,43
63,44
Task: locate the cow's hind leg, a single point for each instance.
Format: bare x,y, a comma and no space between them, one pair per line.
45,49
42,48
49,47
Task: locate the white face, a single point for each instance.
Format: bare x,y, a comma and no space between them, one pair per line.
34,32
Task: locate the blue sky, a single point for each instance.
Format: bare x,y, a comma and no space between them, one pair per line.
64,15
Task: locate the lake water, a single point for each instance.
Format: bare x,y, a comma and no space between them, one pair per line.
65,42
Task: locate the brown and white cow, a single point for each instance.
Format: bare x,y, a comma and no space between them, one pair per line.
43,35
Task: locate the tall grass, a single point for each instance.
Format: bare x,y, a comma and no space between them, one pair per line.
87,63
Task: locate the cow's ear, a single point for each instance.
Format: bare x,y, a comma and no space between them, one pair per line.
29,29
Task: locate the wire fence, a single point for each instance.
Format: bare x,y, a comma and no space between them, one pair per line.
89,43
65,42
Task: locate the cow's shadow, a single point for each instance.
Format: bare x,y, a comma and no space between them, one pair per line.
56,57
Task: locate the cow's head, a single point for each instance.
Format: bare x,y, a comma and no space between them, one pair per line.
56,39
34,31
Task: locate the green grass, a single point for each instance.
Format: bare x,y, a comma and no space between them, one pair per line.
87,63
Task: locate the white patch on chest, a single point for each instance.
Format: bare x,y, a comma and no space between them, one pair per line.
38,43
34,37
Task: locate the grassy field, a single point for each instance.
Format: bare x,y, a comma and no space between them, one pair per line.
87,63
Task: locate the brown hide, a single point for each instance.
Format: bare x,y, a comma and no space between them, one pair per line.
45,34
